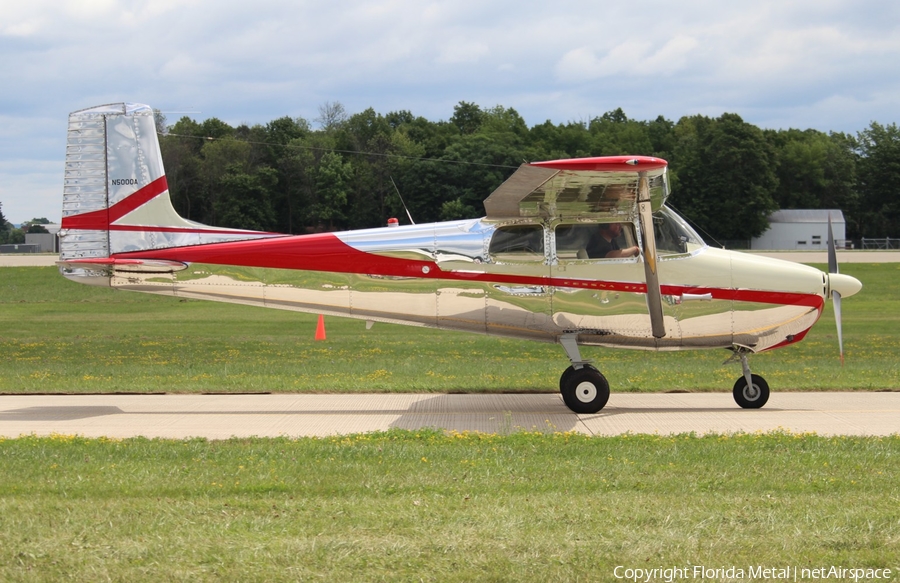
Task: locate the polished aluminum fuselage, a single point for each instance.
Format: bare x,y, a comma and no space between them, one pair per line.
443,275
119,229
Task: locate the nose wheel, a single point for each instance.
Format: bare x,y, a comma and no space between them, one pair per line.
751,391
753,395
584,390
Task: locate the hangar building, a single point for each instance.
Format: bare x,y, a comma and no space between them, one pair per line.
799,229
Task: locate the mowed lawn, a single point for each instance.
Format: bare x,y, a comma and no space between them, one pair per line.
429,506
426,505
59,336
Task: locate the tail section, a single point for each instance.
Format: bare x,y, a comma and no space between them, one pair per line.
115,197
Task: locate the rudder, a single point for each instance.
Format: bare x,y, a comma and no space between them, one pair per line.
115,195
111,153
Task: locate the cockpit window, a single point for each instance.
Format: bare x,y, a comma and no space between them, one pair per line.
673,234
596,241
518,243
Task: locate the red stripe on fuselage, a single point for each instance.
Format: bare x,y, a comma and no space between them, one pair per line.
100,220
326,252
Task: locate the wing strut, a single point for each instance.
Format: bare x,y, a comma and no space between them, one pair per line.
654,299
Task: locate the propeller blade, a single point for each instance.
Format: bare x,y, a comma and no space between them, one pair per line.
832,253
835,295
836,300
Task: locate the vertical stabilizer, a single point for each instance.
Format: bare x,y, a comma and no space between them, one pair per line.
115,197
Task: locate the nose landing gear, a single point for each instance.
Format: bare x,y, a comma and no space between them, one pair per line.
585,390
750,391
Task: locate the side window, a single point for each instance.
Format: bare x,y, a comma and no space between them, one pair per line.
518,243
596,241
572,241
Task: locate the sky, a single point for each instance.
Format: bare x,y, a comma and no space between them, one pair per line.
830,65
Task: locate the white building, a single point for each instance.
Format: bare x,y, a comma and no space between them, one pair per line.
798,229
46,242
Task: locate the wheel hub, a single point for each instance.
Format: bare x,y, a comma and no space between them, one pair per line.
751,392
586,392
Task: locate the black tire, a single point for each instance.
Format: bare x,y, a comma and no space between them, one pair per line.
751,397
570,370
584,390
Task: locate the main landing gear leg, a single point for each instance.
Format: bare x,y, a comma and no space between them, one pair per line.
751,391
584,388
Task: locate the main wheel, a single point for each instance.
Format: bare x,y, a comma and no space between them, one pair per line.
584,390
569,371
751,397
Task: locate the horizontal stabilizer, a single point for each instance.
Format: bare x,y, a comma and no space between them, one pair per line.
127,265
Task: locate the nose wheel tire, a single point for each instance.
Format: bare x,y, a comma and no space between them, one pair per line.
753,396
584,390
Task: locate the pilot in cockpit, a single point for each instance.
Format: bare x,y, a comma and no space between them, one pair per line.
607,243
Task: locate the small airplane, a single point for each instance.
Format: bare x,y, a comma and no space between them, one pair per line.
577,252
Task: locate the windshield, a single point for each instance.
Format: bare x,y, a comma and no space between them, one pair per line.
673,234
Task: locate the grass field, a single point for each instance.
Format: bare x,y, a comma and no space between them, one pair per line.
425,506
59,336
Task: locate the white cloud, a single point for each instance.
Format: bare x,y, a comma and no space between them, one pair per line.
462,50
827,64
22,29
630,58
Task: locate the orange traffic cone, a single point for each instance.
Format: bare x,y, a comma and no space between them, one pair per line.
320,328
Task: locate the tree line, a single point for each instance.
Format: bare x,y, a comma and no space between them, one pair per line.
13,235
351,171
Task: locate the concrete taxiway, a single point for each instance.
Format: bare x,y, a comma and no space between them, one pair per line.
293,415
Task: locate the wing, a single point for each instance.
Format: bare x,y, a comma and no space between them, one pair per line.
579,187
619,187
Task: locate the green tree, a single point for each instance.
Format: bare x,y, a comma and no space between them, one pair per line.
245,198
181,159
15,236
194,158
503,120
552,142
879,180
215,129
4,226
471,168
614,134
295,168
330,198
219,157
726,176
467,117
35,225
275,136
816,171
